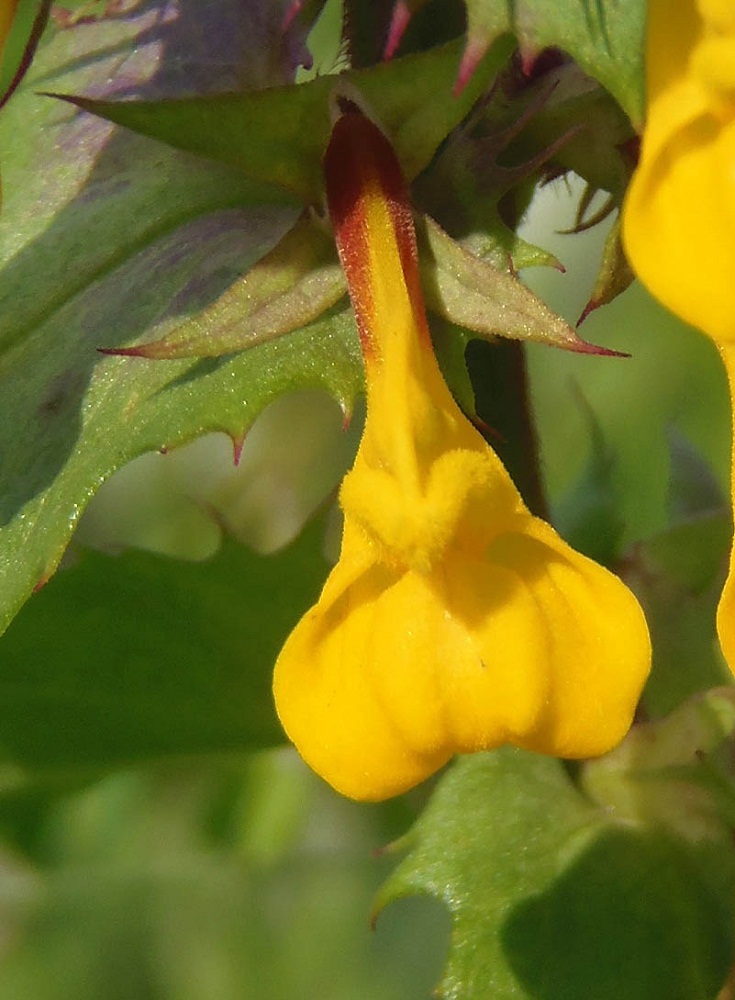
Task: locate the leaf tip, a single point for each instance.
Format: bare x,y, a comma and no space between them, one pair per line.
489,432
398,23
291,13
123,352
585,347
43,580
474,50
589,308
347,414
238,440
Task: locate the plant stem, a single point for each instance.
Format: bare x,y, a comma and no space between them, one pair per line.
500,380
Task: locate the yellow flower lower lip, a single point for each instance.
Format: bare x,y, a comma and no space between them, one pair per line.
454,621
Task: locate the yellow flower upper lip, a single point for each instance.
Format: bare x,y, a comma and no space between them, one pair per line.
454,620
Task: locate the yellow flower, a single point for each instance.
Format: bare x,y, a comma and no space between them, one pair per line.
454,621
679,215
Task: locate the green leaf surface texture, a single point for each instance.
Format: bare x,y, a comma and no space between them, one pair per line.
122,659
277,136
553,898
107,238
485,299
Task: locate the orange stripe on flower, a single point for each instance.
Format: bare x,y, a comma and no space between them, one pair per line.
371,214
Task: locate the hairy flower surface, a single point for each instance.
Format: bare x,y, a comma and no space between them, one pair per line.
454,621
679,218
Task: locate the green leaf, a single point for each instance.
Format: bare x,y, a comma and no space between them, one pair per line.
526,865
474,294
291,286
301,278
137,657
605,37
107,238
83,421
277,137
524,132
587,130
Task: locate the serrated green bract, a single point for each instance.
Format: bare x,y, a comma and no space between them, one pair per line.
487,300
290,286
107,238
86,418
552,896
277,137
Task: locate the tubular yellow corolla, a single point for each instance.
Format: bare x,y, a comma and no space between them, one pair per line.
454,620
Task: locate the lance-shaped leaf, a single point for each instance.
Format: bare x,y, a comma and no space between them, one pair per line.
526,864
288,288
277,136
474,294
605,37
301,278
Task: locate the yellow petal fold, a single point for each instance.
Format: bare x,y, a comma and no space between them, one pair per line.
454,620
679,214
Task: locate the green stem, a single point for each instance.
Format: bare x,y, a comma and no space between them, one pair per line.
500,380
